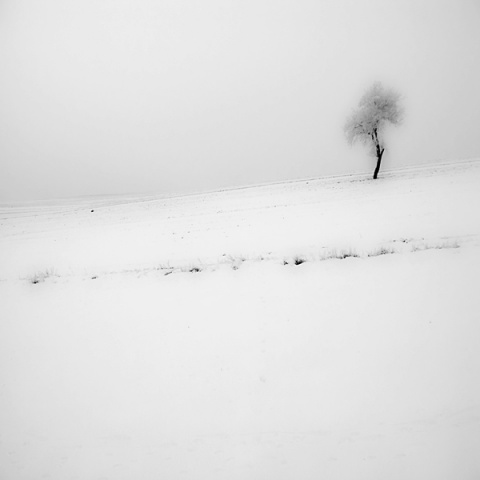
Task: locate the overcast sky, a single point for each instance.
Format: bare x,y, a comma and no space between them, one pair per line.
171,96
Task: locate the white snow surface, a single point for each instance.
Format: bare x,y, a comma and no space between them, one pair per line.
118,362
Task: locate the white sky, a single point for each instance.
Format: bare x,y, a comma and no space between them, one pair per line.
169,96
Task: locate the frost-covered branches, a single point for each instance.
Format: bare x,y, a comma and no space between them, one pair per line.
377,108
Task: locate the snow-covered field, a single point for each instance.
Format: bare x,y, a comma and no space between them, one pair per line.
177,338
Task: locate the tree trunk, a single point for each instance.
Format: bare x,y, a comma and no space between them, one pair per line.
379,161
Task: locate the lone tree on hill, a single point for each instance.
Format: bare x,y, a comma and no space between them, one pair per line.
376,108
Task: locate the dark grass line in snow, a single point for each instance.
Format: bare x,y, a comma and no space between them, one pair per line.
437,246
236,261
382,251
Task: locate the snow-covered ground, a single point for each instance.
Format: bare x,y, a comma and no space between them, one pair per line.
119,360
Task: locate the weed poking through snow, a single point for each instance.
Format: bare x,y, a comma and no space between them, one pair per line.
236,261
340,255
435,246
40,277
298,260
381,251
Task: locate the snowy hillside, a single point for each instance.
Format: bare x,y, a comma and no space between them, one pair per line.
326,328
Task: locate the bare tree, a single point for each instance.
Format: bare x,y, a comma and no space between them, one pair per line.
376,108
